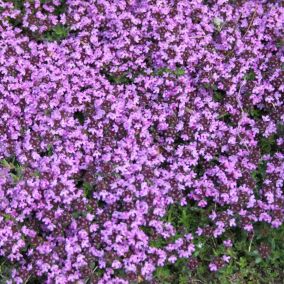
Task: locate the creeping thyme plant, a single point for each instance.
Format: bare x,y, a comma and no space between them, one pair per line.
139,139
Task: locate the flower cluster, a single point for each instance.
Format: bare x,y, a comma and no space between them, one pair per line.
113,111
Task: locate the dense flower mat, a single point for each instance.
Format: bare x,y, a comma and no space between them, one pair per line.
116,115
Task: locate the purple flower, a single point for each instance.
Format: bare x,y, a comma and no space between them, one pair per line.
120,118
228,243
213,267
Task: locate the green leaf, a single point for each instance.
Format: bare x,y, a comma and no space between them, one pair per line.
57,33
219,95
162,273
280,130
158,243
179,72
258,260
196,253
88,190
250,76
36,173
79,115
242,262
122,79
15,178
226,117
268,145
161,71
184,218
18,4
273,245
255,113
60,30
5,164
183,279
259,174
7,217
76,214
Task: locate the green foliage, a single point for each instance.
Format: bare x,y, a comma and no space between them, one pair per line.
268,145
127,78
177,72
247,265
250,76
163,273
18,4
280,130
57,33
255,113
5,270
36,173
158,243
219,95
80,117
88,190
121,79
15,169
185,218
259,174
77,214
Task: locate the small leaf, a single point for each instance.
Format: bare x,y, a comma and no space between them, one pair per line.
76,214
250,76
255,113
36,173
258,260
80,116
88,190
7,217
162,273
268,145
57,33
219,95
5,164
179,72
15,177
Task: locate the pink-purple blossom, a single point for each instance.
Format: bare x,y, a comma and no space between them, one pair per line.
114,111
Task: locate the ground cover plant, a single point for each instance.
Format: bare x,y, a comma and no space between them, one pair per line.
141,141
